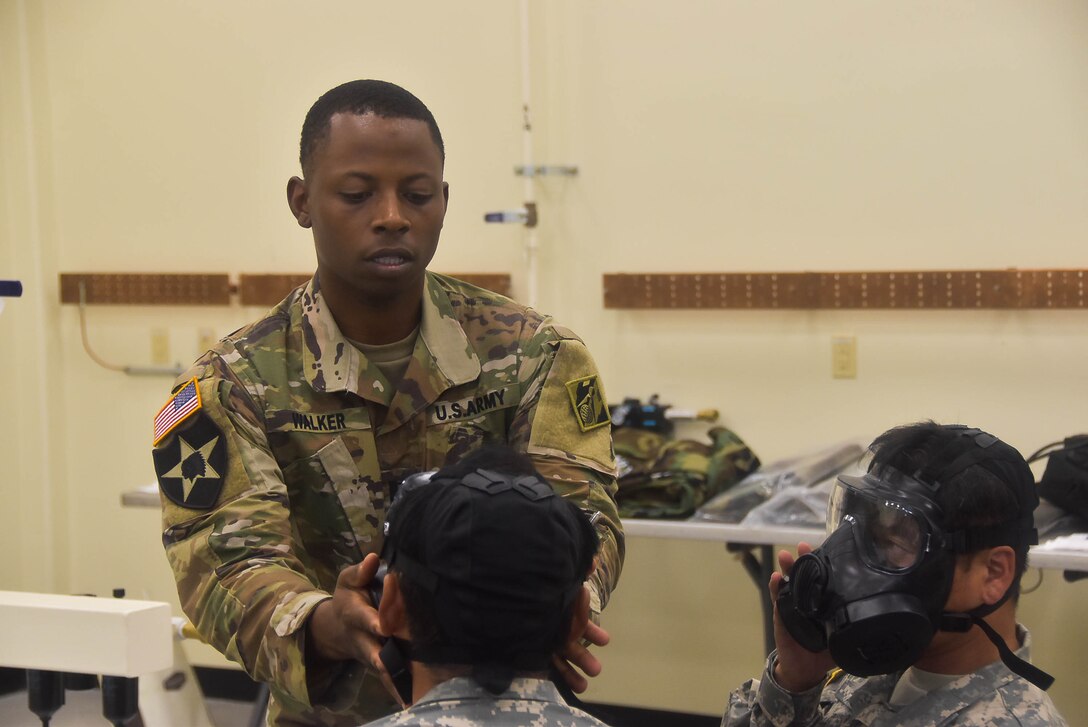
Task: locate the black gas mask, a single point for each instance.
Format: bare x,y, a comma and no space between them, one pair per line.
395,653
411,482
873,593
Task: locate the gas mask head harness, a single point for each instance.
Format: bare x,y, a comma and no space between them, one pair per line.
874,592
503,558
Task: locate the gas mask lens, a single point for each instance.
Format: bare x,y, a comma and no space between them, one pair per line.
890,536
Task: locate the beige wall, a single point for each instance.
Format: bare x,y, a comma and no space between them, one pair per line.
710,136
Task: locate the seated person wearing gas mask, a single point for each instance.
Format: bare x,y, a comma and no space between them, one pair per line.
912,595
486,566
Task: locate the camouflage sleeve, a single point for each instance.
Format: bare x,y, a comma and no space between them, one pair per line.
763,702
228,536
562,422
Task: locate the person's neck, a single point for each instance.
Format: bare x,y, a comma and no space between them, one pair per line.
375,321
955,653
426,677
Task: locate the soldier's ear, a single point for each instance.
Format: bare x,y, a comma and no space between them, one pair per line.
392,617
1000,565
299,201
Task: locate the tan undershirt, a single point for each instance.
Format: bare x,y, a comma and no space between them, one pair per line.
390,358
915,684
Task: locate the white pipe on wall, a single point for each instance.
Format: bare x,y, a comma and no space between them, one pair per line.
44,539
527,159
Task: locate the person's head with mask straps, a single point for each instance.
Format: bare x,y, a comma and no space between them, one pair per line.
913,594
486,572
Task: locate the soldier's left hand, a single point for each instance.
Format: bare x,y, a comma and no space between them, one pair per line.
797,669
575,652
346,626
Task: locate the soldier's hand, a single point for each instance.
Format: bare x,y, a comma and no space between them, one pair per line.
798,669
575,652
346,626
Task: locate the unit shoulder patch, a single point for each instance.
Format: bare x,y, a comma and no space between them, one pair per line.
589,407
191,466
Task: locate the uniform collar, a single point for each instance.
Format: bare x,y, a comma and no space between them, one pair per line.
967,689
443,356
444,338
461,688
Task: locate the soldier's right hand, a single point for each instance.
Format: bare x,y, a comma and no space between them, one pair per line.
797,669
346,625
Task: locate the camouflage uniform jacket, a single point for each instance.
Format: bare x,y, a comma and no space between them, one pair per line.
259,521
993,695
460,702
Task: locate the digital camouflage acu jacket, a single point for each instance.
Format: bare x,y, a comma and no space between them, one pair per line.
991,697
281,474
460,702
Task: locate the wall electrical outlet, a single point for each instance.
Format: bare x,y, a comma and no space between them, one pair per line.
205,339
160,347
844,357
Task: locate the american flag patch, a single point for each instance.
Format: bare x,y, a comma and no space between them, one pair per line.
180,406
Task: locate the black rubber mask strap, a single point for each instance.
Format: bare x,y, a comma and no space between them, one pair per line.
938,472
1016,665
395,655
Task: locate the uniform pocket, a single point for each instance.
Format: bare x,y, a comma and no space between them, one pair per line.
331,510
353,491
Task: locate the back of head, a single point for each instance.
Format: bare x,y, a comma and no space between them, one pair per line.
380,98
984,486
490,562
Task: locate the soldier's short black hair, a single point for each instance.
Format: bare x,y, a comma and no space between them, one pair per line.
380,98
997,488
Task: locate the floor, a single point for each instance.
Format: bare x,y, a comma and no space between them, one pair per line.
84,709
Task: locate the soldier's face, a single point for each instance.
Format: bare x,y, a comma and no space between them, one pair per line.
375,200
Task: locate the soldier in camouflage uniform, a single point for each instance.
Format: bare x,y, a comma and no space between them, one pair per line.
279,451
479,654
970,667
988,696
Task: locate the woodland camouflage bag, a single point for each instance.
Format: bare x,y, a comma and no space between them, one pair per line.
664,478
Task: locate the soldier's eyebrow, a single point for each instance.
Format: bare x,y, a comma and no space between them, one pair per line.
367,177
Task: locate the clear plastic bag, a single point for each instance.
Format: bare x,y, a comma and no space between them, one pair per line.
798,506
801,472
